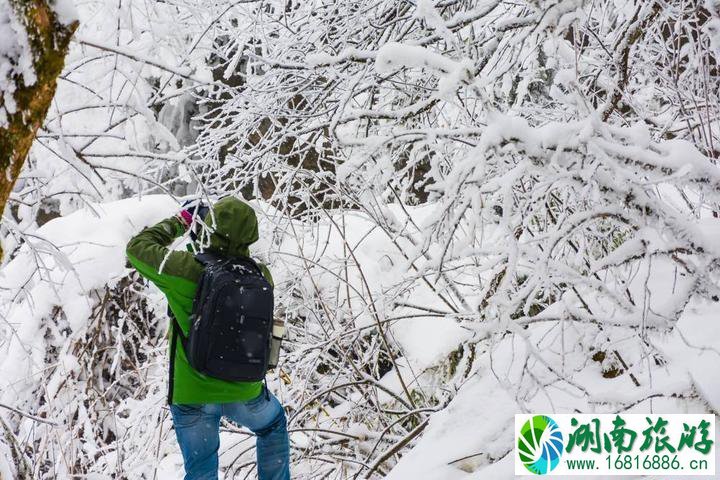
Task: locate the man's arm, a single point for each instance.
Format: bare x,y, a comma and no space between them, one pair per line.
148,252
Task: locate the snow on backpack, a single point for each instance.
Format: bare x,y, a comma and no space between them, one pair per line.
231,321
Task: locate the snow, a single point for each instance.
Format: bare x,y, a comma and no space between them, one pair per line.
427,11
65,11
393,55
453,74
476,424
321,58
480,237
694,346
16,61
427,341
60,265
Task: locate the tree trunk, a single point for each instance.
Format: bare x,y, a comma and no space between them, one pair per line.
49,39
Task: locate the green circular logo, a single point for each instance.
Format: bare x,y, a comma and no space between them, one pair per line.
540,444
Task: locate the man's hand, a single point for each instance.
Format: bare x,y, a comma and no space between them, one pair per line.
192,210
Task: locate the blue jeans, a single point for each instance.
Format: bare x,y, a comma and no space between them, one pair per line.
198,432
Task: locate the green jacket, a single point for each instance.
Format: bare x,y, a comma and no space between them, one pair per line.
176,273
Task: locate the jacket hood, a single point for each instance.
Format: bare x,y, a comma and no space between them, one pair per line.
234,227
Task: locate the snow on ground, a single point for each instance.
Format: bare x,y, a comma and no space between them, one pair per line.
695,346
472,438
60,264
473,430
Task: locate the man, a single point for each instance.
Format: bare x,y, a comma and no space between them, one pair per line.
198,402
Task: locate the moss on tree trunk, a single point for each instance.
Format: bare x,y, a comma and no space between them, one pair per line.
49,41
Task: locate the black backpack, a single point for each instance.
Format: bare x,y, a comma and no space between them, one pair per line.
231,320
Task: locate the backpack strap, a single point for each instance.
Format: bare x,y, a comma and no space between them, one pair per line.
209,258
176,334
176,328
250,261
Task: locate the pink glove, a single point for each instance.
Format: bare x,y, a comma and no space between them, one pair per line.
185,218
